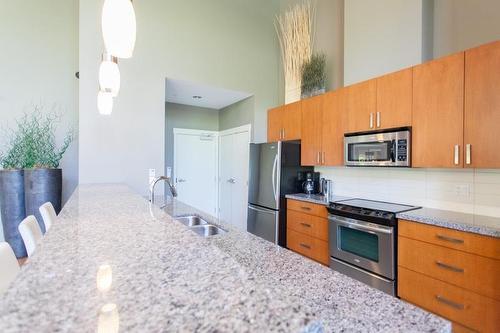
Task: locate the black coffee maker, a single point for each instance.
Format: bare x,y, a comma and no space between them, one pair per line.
308,182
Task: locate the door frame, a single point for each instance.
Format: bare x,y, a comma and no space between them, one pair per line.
195,132
235,130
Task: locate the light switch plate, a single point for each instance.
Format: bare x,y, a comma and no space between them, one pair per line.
169,172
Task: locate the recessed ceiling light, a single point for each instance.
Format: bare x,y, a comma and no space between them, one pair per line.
197,97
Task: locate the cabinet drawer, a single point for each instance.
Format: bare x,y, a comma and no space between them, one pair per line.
308,246
454,303
469,271
310,225
308,208
453,239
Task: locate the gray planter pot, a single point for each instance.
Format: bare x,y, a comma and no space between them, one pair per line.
12,208
41,186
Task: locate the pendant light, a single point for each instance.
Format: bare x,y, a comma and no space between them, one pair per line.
105,102
109,74
118,27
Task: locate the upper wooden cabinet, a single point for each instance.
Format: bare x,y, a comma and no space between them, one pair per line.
360,106
284,123
323,127
312,116
394,100
438,94
482,106
333,128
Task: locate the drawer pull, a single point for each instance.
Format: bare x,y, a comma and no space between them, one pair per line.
305,208
305,246
307,225
448,267
450,239
446,301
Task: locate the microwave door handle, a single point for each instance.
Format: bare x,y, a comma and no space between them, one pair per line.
393,151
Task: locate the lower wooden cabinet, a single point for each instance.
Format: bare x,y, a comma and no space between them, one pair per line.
452,273
456,304
307,230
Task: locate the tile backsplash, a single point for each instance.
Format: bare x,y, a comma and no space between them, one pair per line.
466,190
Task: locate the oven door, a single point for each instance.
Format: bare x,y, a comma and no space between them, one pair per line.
366,245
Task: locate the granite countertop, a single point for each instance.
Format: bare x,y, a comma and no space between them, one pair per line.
166,278
478,224
316,198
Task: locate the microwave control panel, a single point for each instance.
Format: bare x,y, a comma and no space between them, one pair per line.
402,152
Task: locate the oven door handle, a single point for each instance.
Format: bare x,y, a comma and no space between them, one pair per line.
359,225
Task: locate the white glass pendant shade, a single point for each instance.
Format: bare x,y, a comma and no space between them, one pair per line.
109,77
105,102
119,27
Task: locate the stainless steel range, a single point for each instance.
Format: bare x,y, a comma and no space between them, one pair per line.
363,236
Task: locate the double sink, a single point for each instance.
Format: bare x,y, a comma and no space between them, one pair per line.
200,226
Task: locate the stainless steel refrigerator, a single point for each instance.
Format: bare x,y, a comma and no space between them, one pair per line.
273,174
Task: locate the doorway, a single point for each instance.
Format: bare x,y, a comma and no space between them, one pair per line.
234,147
196,167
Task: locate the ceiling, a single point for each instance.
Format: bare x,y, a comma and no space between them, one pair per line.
195,94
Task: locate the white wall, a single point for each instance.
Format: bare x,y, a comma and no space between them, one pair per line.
462,24
38,61
468,191
381,36
223,43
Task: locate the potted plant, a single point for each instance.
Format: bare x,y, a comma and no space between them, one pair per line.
12,195
34,154
314,76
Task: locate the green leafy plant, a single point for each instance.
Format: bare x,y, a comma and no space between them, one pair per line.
314,74
32,143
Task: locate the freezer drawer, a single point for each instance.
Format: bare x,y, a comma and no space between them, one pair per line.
263,222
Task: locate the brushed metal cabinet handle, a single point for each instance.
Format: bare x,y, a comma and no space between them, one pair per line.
323,158
371,120
468,156
307,225
284,135
378,119
450,239
305,246
446,301
318,158
449,267
456,154
305,208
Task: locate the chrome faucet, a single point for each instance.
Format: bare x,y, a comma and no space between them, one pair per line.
152,188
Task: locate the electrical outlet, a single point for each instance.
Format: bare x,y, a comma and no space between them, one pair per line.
152,175
462,190
169,172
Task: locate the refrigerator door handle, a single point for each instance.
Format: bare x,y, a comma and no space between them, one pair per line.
261,210
275,166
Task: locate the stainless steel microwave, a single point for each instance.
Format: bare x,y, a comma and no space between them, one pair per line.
390,148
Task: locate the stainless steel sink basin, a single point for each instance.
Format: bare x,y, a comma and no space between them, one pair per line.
191,220
207,230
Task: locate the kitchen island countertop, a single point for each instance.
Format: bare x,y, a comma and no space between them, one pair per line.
166,278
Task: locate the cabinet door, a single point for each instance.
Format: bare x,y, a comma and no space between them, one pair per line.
292,117
333,128
482,106
394,98
437,136
274,124
361,106
312,110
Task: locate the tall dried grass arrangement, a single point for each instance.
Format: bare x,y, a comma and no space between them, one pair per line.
295,33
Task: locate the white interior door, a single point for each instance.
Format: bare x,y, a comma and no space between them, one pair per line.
195,168
233,176
225,174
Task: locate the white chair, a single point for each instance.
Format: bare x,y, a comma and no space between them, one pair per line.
48,214
30,232
8,266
